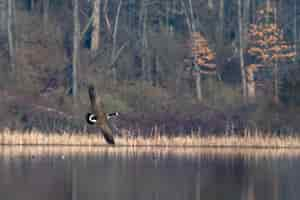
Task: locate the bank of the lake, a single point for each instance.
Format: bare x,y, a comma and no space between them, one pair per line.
126,138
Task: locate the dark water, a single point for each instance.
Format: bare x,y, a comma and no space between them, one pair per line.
114,176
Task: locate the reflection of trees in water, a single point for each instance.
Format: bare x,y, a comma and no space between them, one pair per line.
222,177
245,179
147,177
263,181
29,178
74,184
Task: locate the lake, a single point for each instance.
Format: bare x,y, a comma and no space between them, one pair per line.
90,173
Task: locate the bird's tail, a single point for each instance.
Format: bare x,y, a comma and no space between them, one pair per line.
108,138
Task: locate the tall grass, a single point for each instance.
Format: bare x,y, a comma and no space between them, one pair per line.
258,140
155,153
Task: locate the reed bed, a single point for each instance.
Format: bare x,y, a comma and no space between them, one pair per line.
155,153
34,143
9,137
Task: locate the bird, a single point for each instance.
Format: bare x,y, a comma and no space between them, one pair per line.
98,117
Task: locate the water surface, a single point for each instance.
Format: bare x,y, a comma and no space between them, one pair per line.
35,173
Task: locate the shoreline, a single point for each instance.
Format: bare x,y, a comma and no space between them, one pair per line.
256,141
62,152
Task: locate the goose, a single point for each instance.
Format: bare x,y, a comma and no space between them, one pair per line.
98,117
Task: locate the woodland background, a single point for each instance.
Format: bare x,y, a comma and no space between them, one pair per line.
212,66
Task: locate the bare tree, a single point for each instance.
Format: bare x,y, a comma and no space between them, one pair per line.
45,14
220,36
2,15
96,26
11,44
32,4
268,4
241,52
76,40
210,4
143,24
246,19
114,47
295,29
106,18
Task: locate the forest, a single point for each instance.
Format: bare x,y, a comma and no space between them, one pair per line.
214,66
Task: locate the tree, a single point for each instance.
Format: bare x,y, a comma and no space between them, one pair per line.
96,26
11,44
76,42
2,15
45,14
295,28
210,4
114,45
267,45
220,36
202,58
241,51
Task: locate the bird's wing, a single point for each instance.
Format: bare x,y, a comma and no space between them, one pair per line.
102,122
107,132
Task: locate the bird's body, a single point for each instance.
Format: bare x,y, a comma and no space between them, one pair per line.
101,117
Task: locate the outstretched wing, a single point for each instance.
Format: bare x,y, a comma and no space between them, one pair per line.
96,103
107,133
102,122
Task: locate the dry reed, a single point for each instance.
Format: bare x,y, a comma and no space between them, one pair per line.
155,153
8,137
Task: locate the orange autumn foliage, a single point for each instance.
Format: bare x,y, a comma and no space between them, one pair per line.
202,54
266,42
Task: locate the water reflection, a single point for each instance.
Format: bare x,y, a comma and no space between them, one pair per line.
30,173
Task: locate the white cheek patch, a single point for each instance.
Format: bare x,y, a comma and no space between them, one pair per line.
93,118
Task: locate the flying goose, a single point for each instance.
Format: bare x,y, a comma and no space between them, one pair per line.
99,117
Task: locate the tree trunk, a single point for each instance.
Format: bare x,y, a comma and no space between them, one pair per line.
95,43
114,48
193,28
268,5
198,87
210,4
167,16
220,38
241,52
143,27
3,15
45,14
246,14
32,5
253,12
157,70
251,85
221,19
105,13
276,83
145,46
187,19
10,34
76,37
14,17
295,30
198,75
